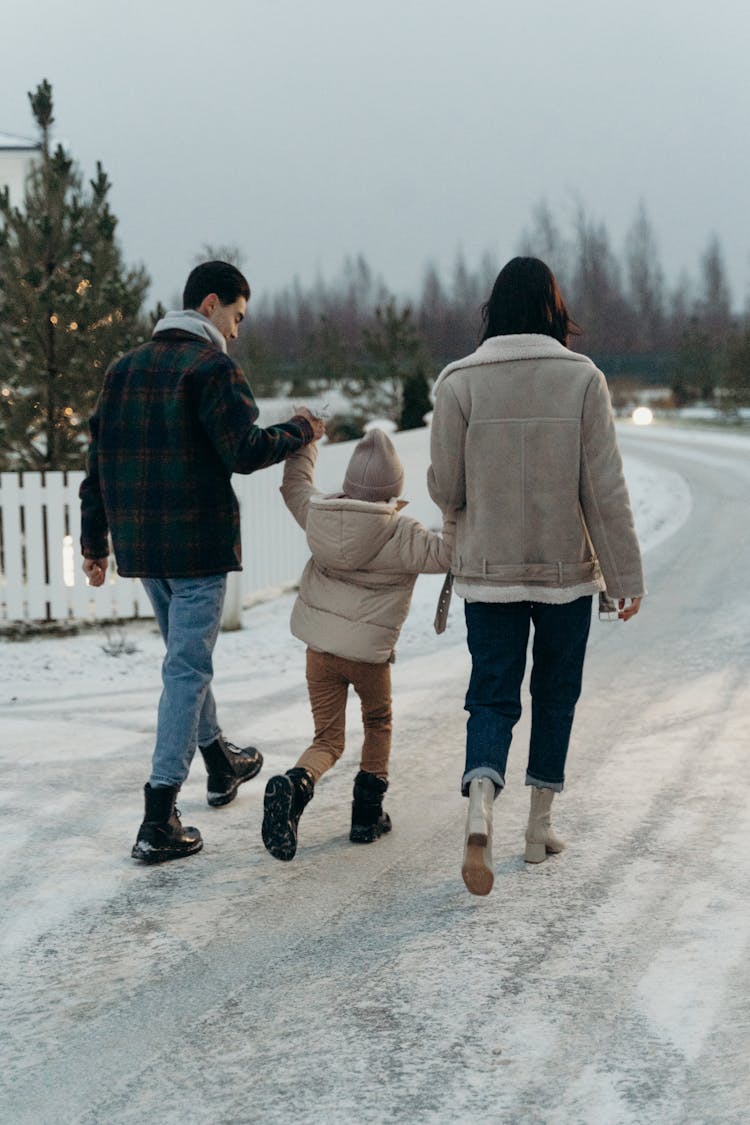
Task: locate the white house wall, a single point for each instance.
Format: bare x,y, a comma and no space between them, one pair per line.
14,168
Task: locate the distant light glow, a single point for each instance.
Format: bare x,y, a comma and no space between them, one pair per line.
642,416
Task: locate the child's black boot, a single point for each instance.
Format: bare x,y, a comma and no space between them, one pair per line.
368,819
285,798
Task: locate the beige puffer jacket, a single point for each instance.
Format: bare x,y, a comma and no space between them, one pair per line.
523,444
355,590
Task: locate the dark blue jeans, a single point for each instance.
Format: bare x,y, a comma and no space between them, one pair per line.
498,635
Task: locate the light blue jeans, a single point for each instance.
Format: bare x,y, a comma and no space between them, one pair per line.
188,612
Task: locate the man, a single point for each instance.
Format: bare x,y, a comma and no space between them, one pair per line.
174,420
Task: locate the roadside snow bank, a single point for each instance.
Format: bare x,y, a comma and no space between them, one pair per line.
661,500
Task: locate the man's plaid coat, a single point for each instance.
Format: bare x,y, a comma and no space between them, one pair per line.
174,420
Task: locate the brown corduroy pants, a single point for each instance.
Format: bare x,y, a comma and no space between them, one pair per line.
328,680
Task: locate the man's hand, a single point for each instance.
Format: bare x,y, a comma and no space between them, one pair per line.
626,612
95,570
318,425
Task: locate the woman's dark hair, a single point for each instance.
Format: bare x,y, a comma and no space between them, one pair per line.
525,298
221,278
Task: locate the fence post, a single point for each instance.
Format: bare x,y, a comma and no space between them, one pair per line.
231,615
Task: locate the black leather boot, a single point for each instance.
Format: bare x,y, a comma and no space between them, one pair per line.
228,767
161,836
285,798
368,819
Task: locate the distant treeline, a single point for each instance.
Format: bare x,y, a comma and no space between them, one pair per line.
635,324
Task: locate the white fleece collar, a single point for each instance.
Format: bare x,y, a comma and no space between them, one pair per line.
339,500
503,349
190,320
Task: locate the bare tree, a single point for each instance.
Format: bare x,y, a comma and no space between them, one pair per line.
714,300
544,240
597,302
645,283
220,252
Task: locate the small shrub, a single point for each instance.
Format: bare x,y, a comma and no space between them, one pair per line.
117,643
345,427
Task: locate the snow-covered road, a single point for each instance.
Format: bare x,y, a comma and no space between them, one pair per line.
608,986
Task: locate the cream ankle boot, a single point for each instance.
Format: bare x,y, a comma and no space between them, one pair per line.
540,839
477,865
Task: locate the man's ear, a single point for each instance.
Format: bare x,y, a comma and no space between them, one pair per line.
208,304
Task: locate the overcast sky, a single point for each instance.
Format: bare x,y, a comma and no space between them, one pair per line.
307,130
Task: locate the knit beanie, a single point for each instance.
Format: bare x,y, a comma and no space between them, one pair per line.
374,471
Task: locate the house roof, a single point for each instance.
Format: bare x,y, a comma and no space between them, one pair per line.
18,144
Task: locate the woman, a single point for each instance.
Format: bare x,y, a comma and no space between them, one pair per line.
524,448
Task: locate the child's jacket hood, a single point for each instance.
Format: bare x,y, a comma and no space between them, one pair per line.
346,534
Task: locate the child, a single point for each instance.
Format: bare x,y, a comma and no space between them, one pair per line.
354,597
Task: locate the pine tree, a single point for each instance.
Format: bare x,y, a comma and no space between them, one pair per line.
736,382
393,352
67,305
415,403
692,377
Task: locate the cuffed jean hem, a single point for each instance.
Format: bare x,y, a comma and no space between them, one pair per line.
204,742
482,771
164,782
555,786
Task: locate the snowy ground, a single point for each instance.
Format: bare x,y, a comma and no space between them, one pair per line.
609,985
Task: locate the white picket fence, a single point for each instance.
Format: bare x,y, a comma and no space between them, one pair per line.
40,559
40,562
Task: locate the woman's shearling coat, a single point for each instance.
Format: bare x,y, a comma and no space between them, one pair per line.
356,589
523,445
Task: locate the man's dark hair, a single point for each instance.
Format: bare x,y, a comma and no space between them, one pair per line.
221,278
526,298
